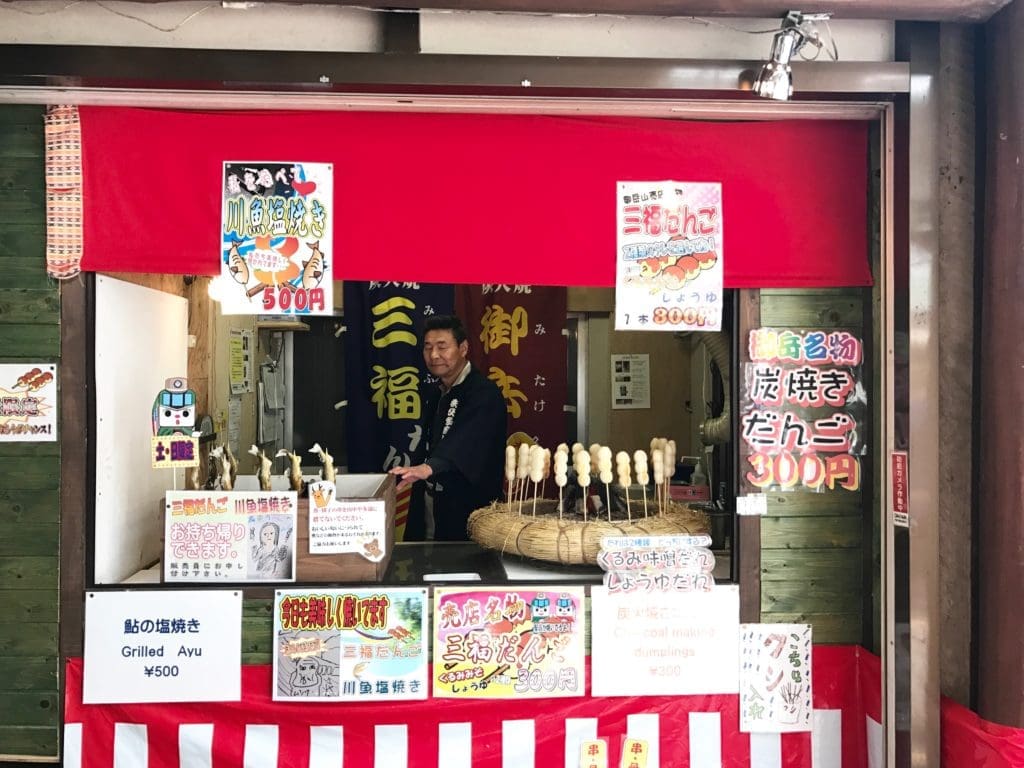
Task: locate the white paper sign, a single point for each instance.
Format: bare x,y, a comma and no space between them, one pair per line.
752,504
775,678
665,644
345,526
631,381
28,402
669,271
162,646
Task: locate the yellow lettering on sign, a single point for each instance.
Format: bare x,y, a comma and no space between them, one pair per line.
501,327
390,313
397,391
506,384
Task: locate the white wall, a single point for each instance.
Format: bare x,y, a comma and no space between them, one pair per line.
277,27
141,341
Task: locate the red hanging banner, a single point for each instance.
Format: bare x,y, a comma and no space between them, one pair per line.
472,198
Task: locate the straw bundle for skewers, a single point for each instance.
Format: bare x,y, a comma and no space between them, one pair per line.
571,542
564,530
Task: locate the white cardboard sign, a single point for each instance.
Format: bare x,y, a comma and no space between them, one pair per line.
162,646
662,644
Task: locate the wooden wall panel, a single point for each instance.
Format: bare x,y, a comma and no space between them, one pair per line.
812,544
30,473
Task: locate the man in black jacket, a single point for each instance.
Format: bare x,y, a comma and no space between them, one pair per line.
464,428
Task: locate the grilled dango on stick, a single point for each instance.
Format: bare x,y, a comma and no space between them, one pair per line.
581,463
561,475
536,471
658,465
522,472
604,468
622,467
640,465
510,471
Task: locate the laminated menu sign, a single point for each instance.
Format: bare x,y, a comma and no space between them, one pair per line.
352,525
775,678
350,645
28,402
276,238
162,646
229,536
502,644
668,264
649,644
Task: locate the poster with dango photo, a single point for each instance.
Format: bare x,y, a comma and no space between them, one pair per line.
503,644
669,273
350,644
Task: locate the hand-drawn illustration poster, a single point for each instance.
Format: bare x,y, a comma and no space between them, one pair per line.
503,644
236,536
28,402
803,407
668,264
350,645
277,238
775,678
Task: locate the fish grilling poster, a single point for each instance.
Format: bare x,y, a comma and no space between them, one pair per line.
276,239
668,262
350,645
504,644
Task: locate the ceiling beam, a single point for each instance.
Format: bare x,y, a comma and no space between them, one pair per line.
965,11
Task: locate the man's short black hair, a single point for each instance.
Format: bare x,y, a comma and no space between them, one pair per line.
446,323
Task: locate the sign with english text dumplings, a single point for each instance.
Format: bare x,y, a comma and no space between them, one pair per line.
668,261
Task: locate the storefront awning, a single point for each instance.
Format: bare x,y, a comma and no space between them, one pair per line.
473,198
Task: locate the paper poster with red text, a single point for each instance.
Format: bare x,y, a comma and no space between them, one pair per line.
277,246
229,536
803,411
668,261
509,643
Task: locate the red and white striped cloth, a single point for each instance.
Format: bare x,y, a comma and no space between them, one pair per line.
695,731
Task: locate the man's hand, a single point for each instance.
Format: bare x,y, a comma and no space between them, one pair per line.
409,475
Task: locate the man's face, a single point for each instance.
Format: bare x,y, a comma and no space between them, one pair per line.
443,356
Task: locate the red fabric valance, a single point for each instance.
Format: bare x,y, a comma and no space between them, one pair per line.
480,198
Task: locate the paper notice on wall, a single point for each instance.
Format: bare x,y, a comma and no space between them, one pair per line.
631,381
775,678
234,422
240,354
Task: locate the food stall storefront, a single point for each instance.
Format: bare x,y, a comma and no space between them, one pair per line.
498,209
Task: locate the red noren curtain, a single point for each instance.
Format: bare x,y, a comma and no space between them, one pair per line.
469,198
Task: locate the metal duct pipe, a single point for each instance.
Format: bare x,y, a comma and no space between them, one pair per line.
717,430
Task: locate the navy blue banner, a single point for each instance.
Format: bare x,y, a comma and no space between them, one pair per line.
384,376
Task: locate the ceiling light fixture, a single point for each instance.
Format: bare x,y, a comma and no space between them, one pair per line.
775,80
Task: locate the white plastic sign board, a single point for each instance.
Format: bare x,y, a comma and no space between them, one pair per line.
162,646
665,645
